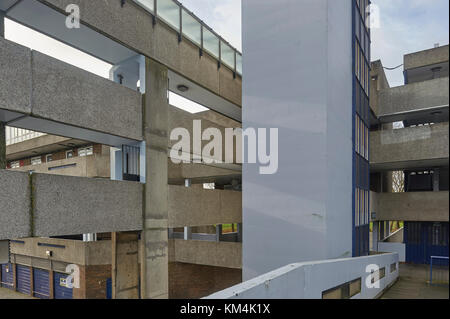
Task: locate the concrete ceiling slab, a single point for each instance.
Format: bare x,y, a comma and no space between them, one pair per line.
44,19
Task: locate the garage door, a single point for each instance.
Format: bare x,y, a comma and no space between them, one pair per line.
7,276
23,279
61,289
41,283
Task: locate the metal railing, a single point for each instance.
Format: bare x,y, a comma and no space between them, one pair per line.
439,274
17,135
188,25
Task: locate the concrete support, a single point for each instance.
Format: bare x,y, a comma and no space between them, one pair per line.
125,267
375,236
2,145
436,178
155,274
2,23
218,232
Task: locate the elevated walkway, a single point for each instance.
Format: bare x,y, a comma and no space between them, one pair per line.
413,284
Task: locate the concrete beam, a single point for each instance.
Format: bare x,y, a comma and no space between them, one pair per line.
413,147
199,173
413,206
218,254
397,103
62,205
38,86
133,27
195,206
15,205
426,57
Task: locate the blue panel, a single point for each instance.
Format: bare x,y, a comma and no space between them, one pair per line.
41,283
61,290
24,279
7,276
109,288
425,239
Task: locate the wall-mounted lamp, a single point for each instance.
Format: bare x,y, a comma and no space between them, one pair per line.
182,88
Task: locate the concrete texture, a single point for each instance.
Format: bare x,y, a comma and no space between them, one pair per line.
218,254
64,251
93,166
71,205
42,143
426,57
199,173
378,82
69,95
413,284
14,205
413,206
11,294
125,266
15,77
195,206
413,97
412,147
154,261
132,26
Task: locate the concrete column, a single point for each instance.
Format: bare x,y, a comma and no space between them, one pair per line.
155,257
125,268
2,23
187,233
239,232
2,145
375,236
436,177
218,233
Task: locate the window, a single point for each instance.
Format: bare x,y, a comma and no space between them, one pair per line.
15,164
36,160
345,291
85,151
393,267
49,158
70,154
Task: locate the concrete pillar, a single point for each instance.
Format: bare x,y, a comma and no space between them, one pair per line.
125,268
2,23
155,257
436,177
2,145
375,236
187,233
218,233
239,232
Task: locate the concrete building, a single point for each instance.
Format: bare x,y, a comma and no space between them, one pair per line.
410,157
166,239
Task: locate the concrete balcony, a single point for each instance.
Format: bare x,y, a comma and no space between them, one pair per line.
415,101
410,148
131,27
221,254
195,206
425,65
42,205
415,206
41,93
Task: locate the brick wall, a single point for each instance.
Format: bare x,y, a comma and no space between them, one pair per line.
188,281
93,282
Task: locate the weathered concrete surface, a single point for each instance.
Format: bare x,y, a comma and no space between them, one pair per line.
155,260
2,145
426,57
125,266
67,94
413,97
412,147
414,206
199,173
378,82
195,206
132,26
72,205
218,254
68,251
15,77
6,293
93,166
14,205
19,149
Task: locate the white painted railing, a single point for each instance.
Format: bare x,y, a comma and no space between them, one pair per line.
355,278
17,135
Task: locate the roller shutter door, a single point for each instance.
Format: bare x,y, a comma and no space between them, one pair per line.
60,283
7,276
41,283
23,279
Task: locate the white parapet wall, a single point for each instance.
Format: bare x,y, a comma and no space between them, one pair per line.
312,279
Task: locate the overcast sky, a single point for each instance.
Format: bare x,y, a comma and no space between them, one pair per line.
406,26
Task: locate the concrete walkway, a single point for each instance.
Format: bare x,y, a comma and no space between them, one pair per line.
11,294
413,284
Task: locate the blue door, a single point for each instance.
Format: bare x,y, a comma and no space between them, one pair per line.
61,289
7,276
41,283
23,279
425,239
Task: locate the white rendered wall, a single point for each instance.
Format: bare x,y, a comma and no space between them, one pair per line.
298,78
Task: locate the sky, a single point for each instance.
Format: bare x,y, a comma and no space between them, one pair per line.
405,26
